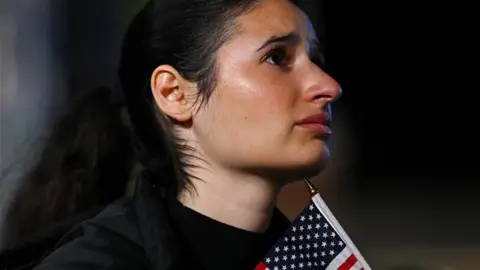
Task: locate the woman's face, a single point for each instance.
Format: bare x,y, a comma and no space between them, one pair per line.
267,85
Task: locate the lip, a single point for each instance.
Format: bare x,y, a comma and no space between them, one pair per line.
317,123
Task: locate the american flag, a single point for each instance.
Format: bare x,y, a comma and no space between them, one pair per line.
310,243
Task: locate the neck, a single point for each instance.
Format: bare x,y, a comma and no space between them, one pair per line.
242,201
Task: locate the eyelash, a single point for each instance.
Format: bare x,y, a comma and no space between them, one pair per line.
285,61
280,50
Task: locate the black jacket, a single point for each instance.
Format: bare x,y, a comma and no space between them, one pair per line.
133,233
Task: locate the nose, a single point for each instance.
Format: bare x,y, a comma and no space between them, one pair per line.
320,87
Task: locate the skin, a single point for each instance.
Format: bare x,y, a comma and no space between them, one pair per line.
246,137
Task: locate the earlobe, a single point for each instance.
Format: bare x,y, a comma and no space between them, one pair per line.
168,89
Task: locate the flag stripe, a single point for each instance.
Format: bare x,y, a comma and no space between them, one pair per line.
317,201
261,266
323,208
340,259
348,263
357,266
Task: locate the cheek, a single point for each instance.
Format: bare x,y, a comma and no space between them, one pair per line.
256,100
253,108
258,88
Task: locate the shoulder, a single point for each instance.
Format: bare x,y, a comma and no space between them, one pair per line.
132,233
111,240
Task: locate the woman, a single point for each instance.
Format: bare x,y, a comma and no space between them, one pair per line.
225,105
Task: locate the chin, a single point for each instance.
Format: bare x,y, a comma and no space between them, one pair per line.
315,163
313,169
308,166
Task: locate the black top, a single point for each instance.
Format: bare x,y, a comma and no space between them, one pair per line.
150,231
215,245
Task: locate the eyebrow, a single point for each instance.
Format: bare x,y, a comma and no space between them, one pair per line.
291,38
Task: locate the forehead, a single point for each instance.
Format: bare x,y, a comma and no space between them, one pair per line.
275,17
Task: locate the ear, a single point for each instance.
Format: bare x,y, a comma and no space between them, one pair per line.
170,91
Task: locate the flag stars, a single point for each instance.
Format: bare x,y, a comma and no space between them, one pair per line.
310,243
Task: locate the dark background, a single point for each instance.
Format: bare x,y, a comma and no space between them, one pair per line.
407,73
406,84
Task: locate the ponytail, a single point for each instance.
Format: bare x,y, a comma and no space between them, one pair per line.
85,163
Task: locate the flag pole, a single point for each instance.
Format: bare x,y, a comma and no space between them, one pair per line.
311,188
317,199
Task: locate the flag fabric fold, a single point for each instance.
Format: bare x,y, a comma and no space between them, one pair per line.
311,243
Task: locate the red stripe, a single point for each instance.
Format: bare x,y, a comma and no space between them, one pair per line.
348,263
261,266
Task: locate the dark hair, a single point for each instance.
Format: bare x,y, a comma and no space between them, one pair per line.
87,160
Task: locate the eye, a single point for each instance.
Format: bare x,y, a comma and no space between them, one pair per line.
277,57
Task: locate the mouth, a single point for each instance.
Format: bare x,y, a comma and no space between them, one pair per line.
317,123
